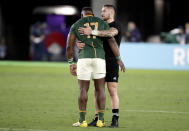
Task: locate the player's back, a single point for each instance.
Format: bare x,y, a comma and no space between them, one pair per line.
93,44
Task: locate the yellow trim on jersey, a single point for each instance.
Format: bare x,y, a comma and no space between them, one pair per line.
88,15
94,49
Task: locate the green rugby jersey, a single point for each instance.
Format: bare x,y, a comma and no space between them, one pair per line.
93,44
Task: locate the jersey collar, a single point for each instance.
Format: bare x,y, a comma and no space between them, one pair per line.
88,15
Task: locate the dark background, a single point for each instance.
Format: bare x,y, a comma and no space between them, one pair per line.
175,13
17,17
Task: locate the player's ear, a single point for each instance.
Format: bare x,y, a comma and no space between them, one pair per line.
111,11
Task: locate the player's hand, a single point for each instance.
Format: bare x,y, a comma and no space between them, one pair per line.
85,31
73,68
121,65
80,45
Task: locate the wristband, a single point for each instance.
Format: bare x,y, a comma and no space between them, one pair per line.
94,32
70,61
118,58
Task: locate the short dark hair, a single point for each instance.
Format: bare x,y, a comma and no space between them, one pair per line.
87,9
111,6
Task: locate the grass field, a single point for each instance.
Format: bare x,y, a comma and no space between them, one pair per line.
43,97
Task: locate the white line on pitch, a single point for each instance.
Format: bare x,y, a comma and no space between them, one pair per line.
23,129
151,111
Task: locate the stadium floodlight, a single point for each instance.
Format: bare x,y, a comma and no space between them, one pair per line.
58,10
65,10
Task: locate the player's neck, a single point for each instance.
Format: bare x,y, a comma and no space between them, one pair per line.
110,20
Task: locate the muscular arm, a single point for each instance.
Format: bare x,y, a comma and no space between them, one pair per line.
102,33
108,33
113,45
70,45
115,50
70,53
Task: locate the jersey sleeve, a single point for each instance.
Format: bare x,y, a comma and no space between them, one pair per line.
118,27
73,29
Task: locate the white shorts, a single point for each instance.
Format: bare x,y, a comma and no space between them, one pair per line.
87,67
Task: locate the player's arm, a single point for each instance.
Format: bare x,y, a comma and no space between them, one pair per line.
70,52
105,33
111,32
113,45
70,45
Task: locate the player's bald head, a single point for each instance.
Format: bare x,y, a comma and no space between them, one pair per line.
86,11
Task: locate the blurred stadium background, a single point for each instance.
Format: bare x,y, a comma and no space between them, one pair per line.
153,91
19,20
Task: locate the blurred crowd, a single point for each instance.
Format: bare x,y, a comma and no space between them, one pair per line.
179,35
132,33
37,36
48,40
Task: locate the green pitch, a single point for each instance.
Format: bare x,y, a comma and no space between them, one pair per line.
42,96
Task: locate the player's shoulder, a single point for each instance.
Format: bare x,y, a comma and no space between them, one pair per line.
97,18
101,24
93,19
115,24
77,22
100,20
75,26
